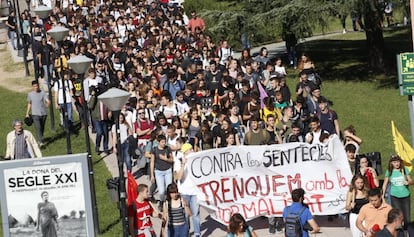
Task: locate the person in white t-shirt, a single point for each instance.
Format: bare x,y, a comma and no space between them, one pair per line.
313,136
186,186
91,81
168,107
64,87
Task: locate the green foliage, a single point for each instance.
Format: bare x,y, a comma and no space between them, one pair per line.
263,20
365,99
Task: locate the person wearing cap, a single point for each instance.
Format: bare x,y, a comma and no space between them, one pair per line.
21,144
328,118
398,177
37,101
186,186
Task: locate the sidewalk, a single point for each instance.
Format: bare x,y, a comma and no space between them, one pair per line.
278,49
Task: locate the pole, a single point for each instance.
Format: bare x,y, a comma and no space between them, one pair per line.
410,97
90,163
122,191
49,83
65,106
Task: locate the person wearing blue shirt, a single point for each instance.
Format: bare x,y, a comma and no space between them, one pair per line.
306,216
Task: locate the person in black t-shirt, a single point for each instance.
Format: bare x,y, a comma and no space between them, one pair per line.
11,28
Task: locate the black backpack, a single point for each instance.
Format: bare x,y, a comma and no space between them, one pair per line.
293,227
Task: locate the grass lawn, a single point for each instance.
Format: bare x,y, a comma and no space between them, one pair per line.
365,99
15,107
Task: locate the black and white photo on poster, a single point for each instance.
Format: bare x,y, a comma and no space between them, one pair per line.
47,200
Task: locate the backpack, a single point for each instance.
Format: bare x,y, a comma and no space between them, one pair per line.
293,227
176,109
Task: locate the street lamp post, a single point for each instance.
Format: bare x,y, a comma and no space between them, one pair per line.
59,33
80,65
43,13
115,99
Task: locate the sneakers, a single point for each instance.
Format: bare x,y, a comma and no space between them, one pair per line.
279,227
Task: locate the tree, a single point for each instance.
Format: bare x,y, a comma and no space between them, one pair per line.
269,20
373,16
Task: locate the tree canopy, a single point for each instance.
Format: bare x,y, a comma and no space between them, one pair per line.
264,21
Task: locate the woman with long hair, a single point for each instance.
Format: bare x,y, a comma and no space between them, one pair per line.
367,171
125,131
226,128
357,196
245,57
238,227
176,121
175,211
236,120
204,138
193,125
305,64
398,177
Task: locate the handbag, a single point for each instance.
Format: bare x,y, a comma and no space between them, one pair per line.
28,120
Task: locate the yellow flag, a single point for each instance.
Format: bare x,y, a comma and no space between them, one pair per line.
402,148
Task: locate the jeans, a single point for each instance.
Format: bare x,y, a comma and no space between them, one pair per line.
12,36
178,230
101,127
68,111
405,206
126,156
39,123
47,75
163,178
195,209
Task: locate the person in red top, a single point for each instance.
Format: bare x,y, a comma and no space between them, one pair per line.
139,214
195,22
143,127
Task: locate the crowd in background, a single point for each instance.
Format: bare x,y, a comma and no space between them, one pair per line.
185,88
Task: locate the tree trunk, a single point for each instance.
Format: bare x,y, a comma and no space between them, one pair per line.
373,32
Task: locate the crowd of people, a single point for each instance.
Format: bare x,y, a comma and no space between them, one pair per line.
188,93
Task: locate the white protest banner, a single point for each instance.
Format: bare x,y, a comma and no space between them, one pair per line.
48,195
258,180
